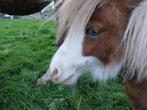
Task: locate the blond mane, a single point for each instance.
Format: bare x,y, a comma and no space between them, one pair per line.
135,43
75,14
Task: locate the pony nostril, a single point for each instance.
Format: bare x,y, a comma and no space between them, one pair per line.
54,74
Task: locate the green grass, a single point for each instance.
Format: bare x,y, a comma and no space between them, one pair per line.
26,48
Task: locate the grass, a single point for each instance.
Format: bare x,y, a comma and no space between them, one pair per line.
26,48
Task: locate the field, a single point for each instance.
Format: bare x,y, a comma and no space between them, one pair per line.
26,48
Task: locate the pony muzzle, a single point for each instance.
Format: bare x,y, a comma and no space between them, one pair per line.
63,77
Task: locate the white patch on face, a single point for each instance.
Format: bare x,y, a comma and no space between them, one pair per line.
70,63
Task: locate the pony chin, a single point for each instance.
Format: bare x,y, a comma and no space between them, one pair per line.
105,72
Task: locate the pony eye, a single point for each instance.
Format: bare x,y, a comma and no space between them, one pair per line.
93,32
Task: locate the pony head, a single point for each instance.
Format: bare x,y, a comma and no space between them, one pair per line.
90,36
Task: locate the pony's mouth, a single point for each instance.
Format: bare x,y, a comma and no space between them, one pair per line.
64,79
67,81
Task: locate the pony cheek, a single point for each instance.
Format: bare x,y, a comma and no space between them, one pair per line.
95,48
101,68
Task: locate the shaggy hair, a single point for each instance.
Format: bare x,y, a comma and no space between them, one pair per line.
135,43
75,14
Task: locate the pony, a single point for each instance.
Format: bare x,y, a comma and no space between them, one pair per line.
102,37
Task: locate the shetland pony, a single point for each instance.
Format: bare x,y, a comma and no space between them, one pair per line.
102,37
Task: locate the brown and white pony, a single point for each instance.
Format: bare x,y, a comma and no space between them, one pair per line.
102,37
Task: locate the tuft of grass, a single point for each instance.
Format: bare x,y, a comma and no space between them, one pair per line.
26,48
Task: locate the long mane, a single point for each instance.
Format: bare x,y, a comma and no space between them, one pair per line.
135,43
75,14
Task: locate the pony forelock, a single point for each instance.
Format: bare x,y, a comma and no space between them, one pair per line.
135,43
73,15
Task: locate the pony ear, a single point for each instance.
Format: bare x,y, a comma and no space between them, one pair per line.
135,43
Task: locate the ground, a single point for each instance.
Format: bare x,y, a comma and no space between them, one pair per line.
26,48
